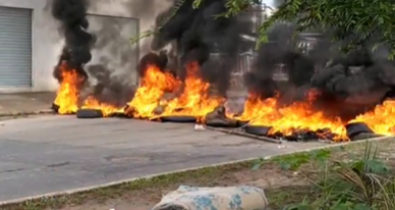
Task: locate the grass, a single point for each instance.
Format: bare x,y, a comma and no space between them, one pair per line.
360,181
345,177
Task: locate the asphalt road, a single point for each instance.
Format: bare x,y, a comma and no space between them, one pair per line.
53,154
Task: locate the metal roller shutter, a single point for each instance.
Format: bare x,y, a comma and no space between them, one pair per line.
15,47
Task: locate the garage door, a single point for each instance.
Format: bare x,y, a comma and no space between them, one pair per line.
15,47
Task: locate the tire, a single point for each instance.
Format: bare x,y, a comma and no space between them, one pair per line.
356,129
55,108
179,119
89,114
220,123
257,130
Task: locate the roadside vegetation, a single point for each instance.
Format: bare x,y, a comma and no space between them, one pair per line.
353,23
362,181
353,177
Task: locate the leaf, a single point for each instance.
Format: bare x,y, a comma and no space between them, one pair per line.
293,162
139,37
299,207
376,166
257,165
196,4
321,155
361,207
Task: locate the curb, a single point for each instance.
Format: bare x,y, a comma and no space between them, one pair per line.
45,111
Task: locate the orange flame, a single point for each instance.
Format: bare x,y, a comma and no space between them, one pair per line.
381,120
195,99
154,85
107,109
68,93
297,116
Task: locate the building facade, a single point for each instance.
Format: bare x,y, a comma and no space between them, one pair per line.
31,40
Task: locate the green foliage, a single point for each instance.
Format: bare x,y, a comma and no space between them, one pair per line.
196,4
257,164
363,184
236,6
354,22
294,162
146,34
172,12
301,206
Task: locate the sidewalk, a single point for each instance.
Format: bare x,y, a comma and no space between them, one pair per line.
25,103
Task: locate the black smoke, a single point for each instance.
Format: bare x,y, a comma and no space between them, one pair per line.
357,81
152,58
280,57
111,71
203,35
109,88
350,82
76,52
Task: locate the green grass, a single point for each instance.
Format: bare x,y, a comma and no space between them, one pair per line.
362,182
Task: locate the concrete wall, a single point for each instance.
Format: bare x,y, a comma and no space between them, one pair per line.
47,41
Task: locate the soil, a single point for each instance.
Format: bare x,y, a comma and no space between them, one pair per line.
269,176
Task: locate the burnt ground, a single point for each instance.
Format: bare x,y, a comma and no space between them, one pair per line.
285,179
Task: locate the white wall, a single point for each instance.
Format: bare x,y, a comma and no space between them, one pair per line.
47,41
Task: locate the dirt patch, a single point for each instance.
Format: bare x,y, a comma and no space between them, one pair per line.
269,176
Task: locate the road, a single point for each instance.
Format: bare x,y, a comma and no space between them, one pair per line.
55,154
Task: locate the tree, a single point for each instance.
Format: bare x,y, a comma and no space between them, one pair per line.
353,22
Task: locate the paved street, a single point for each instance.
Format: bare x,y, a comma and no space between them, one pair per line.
51,154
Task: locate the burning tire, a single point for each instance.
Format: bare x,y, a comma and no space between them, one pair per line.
222,123
89,113
119,115
55,108
356,130
218,118
179,119
257,130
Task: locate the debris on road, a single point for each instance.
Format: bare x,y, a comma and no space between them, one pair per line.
199,127
191,198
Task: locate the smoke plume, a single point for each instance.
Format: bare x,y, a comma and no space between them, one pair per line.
112,75
350,82
72,15
280,68
204,36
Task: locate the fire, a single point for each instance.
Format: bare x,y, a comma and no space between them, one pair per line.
382,119
154,85
107,109
195,99
298,116
68,93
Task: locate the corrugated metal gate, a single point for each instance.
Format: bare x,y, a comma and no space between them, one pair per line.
15,47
